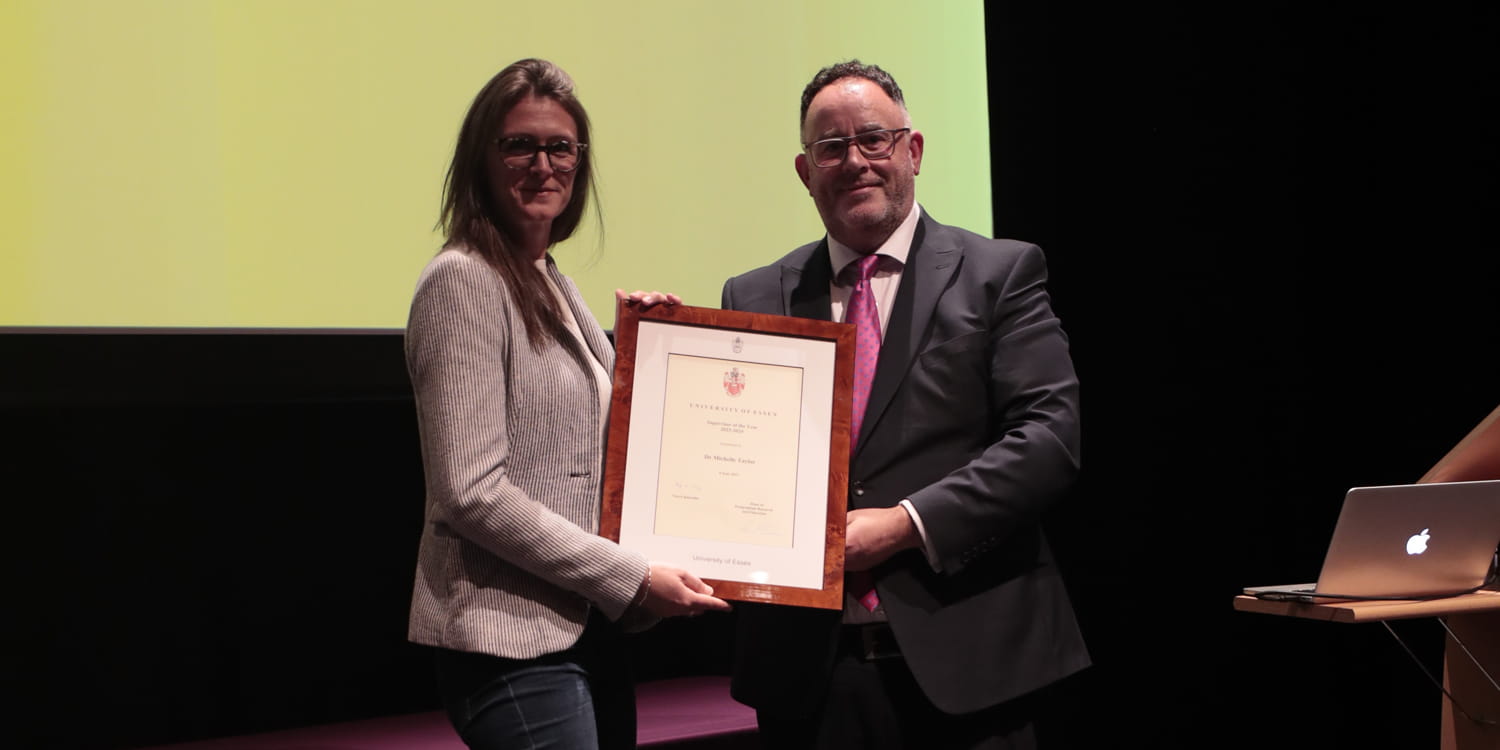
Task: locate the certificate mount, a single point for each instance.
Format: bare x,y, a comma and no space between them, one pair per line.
728,449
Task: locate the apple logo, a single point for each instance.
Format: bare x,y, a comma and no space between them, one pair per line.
1417,544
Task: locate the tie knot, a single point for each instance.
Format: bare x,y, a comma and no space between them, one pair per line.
863,268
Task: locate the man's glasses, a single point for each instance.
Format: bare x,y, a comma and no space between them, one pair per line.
873,144
518,152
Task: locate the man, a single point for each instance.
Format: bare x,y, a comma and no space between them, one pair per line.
968,433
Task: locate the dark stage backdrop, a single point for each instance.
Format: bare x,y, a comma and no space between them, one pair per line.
212,533
215,532
1271,241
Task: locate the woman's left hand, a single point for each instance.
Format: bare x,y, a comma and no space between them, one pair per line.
672,591
648,299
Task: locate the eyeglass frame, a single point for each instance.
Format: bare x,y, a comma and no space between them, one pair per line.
851,139
540,148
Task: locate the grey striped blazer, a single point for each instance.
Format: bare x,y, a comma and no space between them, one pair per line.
509,561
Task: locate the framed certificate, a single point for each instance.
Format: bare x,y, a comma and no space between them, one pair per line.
728,449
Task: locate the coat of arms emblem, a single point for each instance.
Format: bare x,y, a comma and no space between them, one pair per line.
734,381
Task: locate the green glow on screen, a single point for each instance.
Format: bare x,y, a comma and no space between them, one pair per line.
279,163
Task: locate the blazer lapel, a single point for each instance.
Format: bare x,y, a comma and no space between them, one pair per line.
598,345
929,266
805,287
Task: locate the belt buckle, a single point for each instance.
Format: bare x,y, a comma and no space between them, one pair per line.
877,642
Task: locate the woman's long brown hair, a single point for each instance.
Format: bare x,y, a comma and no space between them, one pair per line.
470,217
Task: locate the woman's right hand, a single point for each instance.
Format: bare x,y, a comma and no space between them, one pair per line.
672,591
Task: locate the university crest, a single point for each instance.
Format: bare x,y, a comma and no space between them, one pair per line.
734,381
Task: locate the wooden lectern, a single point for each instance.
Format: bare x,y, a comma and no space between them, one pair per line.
1474,619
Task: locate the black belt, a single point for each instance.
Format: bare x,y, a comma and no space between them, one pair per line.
870,641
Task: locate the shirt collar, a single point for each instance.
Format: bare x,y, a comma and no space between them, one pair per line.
896,246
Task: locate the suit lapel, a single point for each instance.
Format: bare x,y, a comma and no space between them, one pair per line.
805,286
929,266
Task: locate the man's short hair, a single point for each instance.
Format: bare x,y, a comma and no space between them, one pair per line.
850,69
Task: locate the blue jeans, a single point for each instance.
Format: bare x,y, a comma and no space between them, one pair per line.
580,698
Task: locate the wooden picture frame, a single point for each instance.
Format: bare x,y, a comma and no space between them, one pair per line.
728,449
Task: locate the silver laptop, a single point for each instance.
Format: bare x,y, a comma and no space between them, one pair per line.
1406,541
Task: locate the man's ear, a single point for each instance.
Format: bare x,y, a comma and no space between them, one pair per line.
916,151
801,163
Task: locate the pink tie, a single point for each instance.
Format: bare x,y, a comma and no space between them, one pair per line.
866,319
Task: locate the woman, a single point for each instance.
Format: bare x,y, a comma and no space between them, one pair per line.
520,597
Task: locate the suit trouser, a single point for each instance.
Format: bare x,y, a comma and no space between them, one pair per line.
874,703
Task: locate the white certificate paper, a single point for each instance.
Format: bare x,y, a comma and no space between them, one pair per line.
729,451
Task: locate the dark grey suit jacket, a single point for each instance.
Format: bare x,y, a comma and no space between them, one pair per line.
973,415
